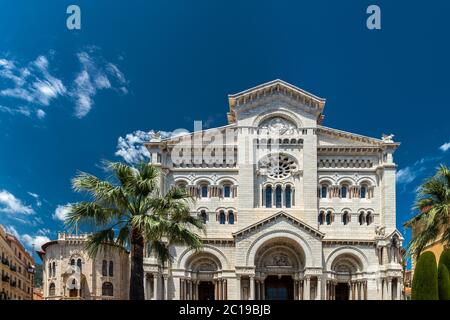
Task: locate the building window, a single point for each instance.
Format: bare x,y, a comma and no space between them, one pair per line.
321,218
324,191
203,216
361,218
104,268
54,269
363,192
222,217
269,197
204,191
278,197
227,191
111,269
345,218
51,290
79,265
72,262
288,196
344,191
230,217
107,289
329,218
369,218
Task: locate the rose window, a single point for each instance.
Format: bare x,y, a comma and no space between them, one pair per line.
279,166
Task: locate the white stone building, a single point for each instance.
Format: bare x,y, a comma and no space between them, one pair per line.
293,209
69,272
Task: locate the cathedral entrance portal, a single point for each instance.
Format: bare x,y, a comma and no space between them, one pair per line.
279,288
206,290
342,291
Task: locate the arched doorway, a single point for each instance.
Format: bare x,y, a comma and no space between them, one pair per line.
279,288
279,263
346,270
206,290
205,281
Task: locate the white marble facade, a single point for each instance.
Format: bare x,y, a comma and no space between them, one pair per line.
293,209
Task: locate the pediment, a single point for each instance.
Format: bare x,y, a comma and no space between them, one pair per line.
328,137
278,217
276,89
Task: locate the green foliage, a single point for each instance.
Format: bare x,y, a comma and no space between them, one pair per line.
433,204
38,276
128,209
445,258
425,281
444,282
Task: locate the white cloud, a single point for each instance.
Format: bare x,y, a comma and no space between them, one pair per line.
131,147
10,204
33,83
29,240
36,197
61,212
406,175
36,241
95,74
445,147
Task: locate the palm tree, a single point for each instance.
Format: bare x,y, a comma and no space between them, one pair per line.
433,204
131,204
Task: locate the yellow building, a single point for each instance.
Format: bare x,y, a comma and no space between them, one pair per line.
16,268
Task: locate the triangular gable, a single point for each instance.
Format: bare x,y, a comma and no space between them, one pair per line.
334,137
276,216
274,87
397,233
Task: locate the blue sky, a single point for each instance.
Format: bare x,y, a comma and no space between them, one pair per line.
66,97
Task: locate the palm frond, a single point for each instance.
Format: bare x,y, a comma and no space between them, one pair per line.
90,212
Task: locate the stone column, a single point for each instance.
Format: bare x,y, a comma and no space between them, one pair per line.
225,289
389,294
263,291
252,287
307,289
350,291
166,288
155,286
319,289
399,289
191,291
295,289
238,287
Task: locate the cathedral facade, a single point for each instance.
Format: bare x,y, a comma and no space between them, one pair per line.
292,209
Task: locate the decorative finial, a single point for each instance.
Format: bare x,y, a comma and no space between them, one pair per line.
388,138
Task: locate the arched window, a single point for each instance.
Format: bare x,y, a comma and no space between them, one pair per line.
51,289
230,217
203,216
72,262
324,191
288,196
111,269
329,217
104,268
222,217
227,191
79,265
345,218
268,197
278,192
369,218
49,269
321,217
107,289
204,191
344,191
363,192
361,218
54,269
